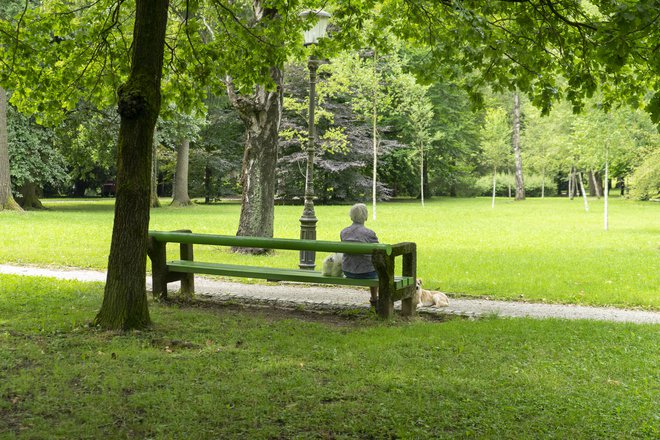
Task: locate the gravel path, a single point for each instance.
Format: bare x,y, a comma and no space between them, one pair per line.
286,294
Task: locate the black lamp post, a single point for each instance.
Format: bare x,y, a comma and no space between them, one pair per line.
308,220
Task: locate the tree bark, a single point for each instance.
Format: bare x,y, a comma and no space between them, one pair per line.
154,200
181,197
595,183
374,129
30,197
584,194
261,114
125,298
6,197
520,185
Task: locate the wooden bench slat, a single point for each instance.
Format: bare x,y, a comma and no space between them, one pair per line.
270,243
275,274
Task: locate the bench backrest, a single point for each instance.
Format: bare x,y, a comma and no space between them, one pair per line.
270,243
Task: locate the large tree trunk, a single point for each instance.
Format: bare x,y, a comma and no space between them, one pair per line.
261,114
181,197
6,198
30,197
520,185
125,297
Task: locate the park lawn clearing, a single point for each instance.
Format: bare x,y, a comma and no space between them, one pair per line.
226,372
541,250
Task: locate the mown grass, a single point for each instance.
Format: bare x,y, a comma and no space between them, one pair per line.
537,250
224,372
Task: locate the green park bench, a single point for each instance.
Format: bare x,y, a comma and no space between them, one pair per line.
390,286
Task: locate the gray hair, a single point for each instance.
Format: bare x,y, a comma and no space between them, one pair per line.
358,213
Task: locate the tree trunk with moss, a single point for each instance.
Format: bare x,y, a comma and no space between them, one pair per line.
30,197
125,298
6,198
261,113
180,196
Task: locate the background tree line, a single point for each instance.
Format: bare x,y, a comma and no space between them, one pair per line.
430,137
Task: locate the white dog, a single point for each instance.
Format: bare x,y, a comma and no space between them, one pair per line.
428,298
332,265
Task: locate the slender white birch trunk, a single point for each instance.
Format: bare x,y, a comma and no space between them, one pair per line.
543,183
584,194
520,185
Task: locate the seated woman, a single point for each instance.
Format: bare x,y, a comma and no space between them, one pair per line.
360,266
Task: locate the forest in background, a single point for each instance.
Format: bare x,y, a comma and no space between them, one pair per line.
432,124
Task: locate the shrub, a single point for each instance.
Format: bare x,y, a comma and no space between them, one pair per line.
646,179
533,185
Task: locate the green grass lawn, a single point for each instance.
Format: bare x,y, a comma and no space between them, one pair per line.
224,372
537,250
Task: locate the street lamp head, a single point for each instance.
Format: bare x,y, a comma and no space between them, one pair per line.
311,36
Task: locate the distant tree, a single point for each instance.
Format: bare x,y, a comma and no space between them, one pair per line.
216,163
515,141
416,109
547,140
34,160
177,131
87,139
495,142
646,178
343,142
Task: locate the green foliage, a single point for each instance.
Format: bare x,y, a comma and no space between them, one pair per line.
496,138
531,45
506,184
87,139
216,371
646,179
32,155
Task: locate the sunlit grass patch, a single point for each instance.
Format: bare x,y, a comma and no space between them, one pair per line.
538,250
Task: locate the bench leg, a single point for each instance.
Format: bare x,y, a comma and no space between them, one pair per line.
408,305
157,253
187,279
409,269
384,265
408,308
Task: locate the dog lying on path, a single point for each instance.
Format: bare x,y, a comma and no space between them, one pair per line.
428,298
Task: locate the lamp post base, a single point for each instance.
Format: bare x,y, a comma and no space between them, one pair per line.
308,232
